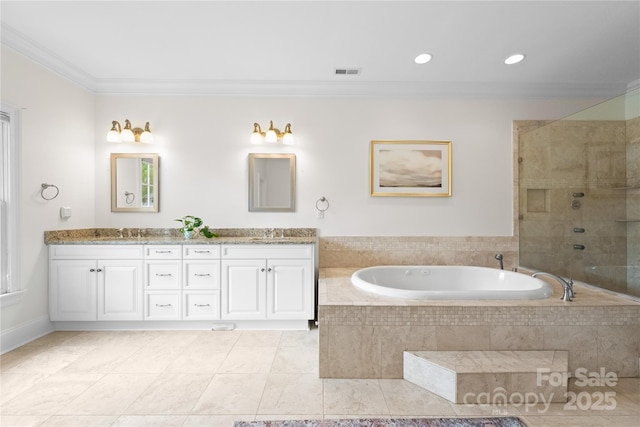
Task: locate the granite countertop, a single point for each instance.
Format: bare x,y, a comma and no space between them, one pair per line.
171,236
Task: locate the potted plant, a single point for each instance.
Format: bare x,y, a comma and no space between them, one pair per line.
191,225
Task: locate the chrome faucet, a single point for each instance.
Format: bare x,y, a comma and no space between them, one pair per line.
567,285
499,257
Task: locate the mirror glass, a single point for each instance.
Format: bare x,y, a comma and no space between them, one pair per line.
272,182
134,182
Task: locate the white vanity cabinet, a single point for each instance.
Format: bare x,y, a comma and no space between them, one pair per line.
163,282
201,282
95,282
273,281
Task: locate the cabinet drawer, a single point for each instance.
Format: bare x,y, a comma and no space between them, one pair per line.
95,251
162,252
162,274
201,251
266,251
201,305
201,275
162,305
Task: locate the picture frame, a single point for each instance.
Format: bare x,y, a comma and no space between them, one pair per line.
410,168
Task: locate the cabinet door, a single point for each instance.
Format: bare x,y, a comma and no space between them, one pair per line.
120,290
290,292
243,290
72,290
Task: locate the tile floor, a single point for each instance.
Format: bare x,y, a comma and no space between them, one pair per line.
203,378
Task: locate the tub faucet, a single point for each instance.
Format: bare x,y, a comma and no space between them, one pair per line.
499,257
567,285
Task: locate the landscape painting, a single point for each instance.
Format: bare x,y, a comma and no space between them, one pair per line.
410,168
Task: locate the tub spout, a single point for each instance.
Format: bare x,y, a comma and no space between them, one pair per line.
567,285
499,257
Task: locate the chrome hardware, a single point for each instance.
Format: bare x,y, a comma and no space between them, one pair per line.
92,270
262,270
163,305
163,274
499,257
579,247
202,274
578,194
202,252
575,204
567,285
163,252
578,230
202,305
99,270
269,269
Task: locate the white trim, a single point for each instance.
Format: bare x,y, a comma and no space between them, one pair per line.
11,298
184,325
335,88
20,335
13,231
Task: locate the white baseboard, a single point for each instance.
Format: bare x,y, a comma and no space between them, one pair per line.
16,336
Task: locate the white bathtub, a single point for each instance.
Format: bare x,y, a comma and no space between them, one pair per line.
449,282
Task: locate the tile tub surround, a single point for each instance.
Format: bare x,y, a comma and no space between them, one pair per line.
365,251
363,335
150,236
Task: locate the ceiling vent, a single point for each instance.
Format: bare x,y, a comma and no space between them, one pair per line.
347,71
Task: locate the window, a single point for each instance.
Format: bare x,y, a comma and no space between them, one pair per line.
9,204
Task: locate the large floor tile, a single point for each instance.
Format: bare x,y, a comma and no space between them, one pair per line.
405,398
49,395
79,421
248,360
111,395
292,394
232,394
357,397
171,394
295,360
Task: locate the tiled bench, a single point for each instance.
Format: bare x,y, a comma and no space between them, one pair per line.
487,376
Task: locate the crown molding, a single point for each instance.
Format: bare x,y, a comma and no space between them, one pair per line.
336,88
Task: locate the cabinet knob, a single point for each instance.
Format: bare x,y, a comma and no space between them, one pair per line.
99,270
92,270
262,269
269,269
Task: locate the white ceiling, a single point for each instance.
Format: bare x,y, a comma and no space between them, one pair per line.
287,48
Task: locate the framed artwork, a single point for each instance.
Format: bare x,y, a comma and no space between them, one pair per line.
410,168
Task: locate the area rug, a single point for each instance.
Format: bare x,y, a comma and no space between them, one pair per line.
391,422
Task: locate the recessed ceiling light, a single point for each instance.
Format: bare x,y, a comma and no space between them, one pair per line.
514,59
423,58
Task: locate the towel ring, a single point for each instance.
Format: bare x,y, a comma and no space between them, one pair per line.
322,201
129,197
44,187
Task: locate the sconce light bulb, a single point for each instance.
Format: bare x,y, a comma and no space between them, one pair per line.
288,139
271,136
113,136
127,135
146,136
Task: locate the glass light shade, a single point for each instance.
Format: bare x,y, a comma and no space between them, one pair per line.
271,136
113,136
146,137
256,138
127,135
288,139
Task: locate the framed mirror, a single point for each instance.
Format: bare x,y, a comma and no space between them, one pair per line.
134,182
272,182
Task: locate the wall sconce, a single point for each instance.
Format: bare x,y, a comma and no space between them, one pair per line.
272,135
117,134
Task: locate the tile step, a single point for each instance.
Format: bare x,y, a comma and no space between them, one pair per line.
489,376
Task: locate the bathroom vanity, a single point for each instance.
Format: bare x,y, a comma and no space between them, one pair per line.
244,279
